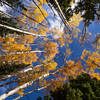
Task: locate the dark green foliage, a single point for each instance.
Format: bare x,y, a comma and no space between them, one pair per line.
90,7
65,6
10,68
47,98
81,88
39,98
6,21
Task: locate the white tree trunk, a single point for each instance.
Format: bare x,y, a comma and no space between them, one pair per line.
22,12
10,16
21,52
5,95
26,69
64,18
21,31
38,89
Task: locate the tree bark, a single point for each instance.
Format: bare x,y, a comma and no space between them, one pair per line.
64,18
5,95
21,31
21,52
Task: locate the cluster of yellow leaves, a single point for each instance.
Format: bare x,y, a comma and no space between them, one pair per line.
69,41
28,39
73,69
7,39
26,58
56,83
74,23
11,44
15,38
68,51
14,44
36,72
85,53
51,65
68,38
51,49
24,39
61,40
42,30
57,33
58,36
92,60
20,92
15,47
95,75
35,13
75,20
70,62
43,2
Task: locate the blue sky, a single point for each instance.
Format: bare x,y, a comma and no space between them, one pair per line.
75,47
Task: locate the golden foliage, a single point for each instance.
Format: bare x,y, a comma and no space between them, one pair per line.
43,2
85,53
51,65
16,44
92,60
20,92
35,13
26,58
51,49
75,20
42,30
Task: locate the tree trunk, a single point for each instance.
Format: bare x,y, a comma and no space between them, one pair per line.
64,18
21,31
5,95
21,52
22,13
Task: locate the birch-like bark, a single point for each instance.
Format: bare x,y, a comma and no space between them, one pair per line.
5,14
40,11
64,18
38,89
28,68
5,95
22,13
21,52
21,31
10,16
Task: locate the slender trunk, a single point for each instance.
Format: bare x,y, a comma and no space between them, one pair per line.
21,52
5,95
5,14
64,18
21,31
49,4
28,68
10,16
22,13
40,11
38,89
